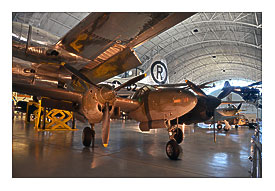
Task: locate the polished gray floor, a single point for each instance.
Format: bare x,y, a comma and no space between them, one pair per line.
130,153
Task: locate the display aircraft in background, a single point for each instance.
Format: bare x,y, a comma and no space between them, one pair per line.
68,72
248,93
231,110
229,116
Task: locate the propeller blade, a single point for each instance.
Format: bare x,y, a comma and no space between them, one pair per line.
195,88
231,102
106,125
239,106
170,85
204,85
132,81
81,76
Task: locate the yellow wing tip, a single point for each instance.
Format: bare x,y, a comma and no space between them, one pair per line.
105,145
145,74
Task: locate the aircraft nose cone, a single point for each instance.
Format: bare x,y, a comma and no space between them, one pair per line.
190,98
186,100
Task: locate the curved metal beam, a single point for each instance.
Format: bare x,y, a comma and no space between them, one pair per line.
214,77
217,53
186,37
215,64
223,22
210,41
206,56
215,72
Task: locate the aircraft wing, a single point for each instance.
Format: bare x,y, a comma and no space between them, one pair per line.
54,93
219,117
108,39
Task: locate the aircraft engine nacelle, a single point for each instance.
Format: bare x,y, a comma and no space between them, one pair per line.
147,125
93,106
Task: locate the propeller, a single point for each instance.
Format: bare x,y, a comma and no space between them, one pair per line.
239,106
204,85
107,95
132,81
195,88
78,74
106,125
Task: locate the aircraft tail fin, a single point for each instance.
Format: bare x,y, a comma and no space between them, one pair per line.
157,72
226,84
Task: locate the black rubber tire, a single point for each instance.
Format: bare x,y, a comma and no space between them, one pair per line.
172,150
225,129
178,135
236,126
87,136
219,126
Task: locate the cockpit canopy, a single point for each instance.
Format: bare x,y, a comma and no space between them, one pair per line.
140,92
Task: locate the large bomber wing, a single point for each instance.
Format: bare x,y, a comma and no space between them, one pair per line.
107,39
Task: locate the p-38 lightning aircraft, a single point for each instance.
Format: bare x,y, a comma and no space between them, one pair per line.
98,48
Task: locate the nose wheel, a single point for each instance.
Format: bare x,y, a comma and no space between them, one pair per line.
88,136
178,135
219,126
173,149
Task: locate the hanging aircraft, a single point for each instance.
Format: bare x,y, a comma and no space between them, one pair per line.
248,93
99,47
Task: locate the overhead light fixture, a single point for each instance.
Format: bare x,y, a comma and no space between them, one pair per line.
195,30
223,70
214,56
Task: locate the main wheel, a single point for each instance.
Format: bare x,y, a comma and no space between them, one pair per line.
219,126
87,136
178,136
225,129
236,126
172,150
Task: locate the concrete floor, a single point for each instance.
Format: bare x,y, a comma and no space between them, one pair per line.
130,153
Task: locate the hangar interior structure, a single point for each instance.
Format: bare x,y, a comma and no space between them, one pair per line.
206,47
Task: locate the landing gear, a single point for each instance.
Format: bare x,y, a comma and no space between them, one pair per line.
219,126
173,150
178,135
226,129
236,126
88,136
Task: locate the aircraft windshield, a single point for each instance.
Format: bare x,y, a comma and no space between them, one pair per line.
142,91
